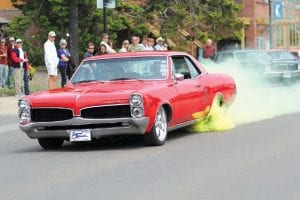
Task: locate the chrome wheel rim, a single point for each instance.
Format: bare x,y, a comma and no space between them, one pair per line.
161,125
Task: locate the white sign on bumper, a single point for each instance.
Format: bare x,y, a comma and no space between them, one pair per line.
80,135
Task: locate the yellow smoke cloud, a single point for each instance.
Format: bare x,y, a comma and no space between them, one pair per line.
212,118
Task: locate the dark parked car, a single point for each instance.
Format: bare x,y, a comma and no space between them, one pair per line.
285,64
259,62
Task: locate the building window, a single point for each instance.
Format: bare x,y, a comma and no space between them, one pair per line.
280,36
293,35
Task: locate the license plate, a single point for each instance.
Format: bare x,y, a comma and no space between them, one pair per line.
80,135
287,74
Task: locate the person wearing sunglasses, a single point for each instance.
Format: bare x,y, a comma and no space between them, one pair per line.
3,62
89,50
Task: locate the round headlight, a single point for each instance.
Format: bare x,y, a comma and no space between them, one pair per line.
24,104
24,117
137,112
136,100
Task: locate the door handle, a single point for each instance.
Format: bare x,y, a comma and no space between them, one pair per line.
198,86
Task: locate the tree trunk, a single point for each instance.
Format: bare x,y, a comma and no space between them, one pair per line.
73,30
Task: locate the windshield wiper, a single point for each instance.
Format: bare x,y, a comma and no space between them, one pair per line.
123,78
84,81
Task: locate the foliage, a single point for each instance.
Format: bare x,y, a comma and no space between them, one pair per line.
216,19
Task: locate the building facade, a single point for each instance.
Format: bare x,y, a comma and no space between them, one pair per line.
7,13
263,32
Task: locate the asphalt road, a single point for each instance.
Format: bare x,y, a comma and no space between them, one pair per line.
253,161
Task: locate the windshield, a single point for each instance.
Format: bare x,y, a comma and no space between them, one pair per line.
141,68
281,55
252,55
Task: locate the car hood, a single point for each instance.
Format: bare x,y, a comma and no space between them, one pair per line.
88,94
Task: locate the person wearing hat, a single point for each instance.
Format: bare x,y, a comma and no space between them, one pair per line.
51,59
20,63
160,46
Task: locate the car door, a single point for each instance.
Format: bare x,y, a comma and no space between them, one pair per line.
189,90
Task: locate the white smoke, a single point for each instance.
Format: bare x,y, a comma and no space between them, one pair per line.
256,98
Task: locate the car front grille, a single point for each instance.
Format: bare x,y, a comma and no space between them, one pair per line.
104,112
50,114
284,67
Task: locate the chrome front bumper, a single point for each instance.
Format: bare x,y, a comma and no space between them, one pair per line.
283,74
129,126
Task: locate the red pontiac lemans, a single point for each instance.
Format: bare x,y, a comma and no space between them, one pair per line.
148,93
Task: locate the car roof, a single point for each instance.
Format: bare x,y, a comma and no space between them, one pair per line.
241,50
136,54
276,50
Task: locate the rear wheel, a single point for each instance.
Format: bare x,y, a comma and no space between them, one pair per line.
158,134
51,143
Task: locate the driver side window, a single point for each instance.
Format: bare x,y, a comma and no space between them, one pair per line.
183,65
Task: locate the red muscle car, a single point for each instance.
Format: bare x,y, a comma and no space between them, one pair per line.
148,93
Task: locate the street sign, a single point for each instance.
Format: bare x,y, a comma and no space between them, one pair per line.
277,6
108,3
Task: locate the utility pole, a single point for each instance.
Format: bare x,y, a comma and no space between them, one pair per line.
270,23
104,16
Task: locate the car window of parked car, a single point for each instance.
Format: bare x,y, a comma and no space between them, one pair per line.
281,55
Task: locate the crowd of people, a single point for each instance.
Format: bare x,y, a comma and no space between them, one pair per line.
60,59
14,60
106,46
14,63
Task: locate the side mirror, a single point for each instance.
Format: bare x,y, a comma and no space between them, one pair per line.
179,77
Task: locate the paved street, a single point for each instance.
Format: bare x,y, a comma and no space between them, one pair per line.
253,161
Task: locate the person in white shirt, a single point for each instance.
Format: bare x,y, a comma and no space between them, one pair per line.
104,41
160,46
125,46
51,59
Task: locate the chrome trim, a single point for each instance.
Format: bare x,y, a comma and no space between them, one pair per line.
181,125
137,126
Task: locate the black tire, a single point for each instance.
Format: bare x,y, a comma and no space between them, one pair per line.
159,131
51,143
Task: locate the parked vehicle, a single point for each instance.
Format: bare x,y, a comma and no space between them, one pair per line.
262,63
295,52
147,93
284,65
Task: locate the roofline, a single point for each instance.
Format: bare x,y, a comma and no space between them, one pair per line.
135,54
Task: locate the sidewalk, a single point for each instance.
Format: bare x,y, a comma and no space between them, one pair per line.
9,105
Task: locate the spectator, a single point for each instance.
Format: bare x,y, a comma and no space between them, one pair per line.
144,43
20,63
209,50
110,44
89,50
125,46
51,59
10,47
105,38
102,49
3,62
150,44
134,46
64,57
160,44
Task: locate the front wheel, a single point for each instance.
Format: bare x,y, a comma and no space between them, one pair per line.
51,143
158,133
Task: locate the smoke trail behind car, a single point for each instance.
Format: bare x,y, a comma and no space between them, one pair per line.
256,98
